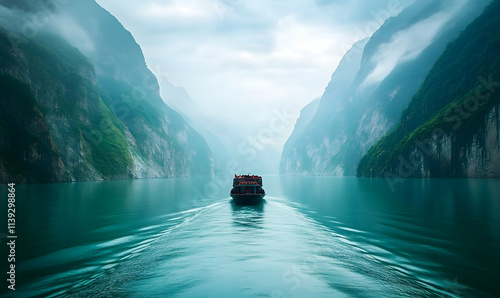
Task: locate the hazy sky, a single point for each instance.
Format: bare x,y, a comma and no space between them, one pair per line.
237,56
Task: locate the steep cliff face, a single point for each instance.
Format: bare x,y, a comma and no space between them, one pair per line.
97,106
354,114
481,157
450,128
293,164
472,152
320,130
63,88
179,99
28,152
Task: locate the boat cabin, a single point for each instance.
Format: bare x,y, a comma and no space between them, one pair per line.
247,184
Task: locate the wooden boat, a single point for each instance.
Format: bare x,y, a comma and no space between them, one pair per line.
247,190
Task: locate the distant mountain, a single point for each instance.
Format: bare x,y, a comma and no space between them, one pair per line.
373,84
77,101
306,115
451,126
310,141
181,101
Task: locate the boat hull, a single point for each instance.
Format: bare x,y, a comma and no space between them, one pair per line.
247,199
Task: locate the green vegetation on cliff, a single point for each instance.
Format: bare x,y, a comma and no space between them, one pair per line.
65,84
458,92
26,150
101,109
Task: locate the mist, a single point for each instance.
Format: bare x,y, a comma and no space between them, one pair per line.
246,64
240,71
409,43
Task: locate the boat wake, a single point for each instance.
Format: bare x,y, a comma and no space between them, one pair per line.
273,249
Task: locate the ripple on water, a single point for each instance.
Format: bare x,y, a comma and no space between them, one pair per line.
275,249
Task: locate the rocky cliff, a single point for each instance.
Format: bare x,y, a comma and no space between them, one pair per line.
450,127
79,103
355,113
320,130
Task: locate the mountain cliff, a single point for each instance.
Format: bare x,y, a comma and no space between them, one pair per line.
77,101
320,129
450,128
373,84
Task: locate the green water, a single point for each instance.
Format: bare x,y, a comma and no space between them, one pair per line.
313,237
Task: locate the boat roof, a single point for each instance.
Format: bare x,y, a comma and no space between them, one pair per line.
247,180
249,176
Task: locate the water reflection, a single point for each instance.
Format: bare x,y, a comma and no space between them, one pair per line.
436,229
248,216
313,237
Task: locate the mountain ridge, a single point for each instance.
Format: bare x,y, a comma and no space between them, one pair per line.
382,87
105,118
450,129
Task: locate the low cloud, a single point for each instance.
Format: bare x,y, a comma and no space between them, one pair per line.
36,18
408,44
238,56
10,18
240,60
72,32
230,53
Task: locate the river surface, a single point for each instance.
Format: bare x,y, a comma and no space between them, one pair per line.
312,237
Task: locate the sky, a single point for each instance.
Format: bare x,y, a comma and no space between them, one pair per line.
246,62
